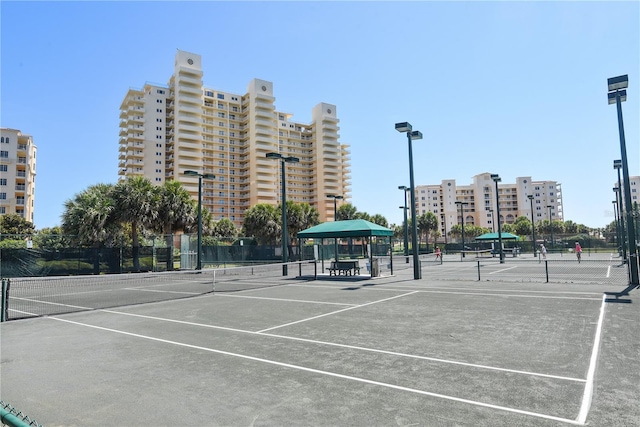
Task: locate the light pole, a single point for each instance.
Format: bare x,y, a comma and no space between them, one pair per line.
618,95
493,223
550,224
615,213
496,178
404,189
335,218
285,237
461,204
200,176
533,225
617,164
412,135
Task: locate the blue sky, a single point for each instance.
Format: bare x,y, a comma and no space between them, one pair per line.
514,88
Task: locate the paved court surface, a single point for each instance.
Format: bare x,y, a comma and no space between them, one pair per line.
337,351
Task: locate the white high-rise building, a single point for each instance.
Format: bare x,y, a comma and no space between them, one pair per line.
17,173
166,130
480,199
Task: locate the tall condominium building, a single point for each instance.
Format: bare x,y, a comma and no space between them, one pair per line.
167,130
17,173
478,205
634,185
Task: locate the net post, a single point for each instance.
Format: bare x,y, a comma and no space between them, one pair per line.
299,268
546,269
4,303
478,269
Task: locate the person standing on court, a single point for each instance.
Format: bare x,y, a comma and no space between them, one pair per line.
438,254
578,251
543,251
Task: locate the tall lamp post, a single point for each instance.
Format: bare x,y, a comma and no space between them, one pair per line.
533,225
412,135
622,244
335,218
618,95
496,178
462,204
285,237
550,224
200,176
615,213
404,189
493,223
617,164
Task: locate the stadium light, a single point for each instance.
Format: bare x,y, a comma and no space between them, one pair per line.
412,135
404,189
533,225
461,204
200,176
617,95
496,178
335,218
285,237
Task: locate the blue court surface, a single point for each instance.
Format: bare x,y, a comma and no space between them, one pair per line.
338,352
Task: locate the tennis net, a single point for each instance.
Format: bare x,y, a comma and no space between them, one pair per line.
43,296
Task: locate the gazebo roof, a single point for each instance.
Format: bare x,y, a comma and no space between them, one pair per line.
494,236
348,228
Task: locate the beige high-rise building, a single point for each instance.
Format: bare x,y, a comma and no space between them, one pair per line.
480,199
167,130
17,173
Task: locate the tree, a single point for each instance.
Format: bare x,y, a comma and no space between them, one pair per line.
51,239
16,225
175,210
261,222
347,211
522,226
225,229
380,220
135,203
427,222
89,216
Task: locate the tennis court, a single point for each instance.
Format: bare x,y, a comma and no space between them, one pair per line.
336,351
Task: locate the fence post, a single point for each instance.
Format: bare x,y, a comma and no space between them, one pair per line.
478,269
546,269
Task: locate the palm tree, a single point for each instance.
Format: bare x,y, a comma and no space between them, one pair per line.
347,211
90,217
135,203
426,223
176,210
225,229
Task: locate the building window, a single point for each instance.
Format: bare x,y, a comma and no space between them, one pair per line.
3,181
4,154
3,196
220,96
159,101
161,92
3,210
4,168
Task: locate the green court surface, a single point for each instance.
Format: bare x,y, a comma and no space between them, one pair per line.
338,352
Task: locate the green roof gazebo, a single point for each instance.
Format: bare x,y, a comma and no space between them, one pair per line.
345,229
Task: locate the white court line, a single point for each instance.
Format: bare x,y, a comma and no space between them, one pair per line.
52,303
588,389
286,299
608,271
353,347
335,312
331,374
429,291
504,269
